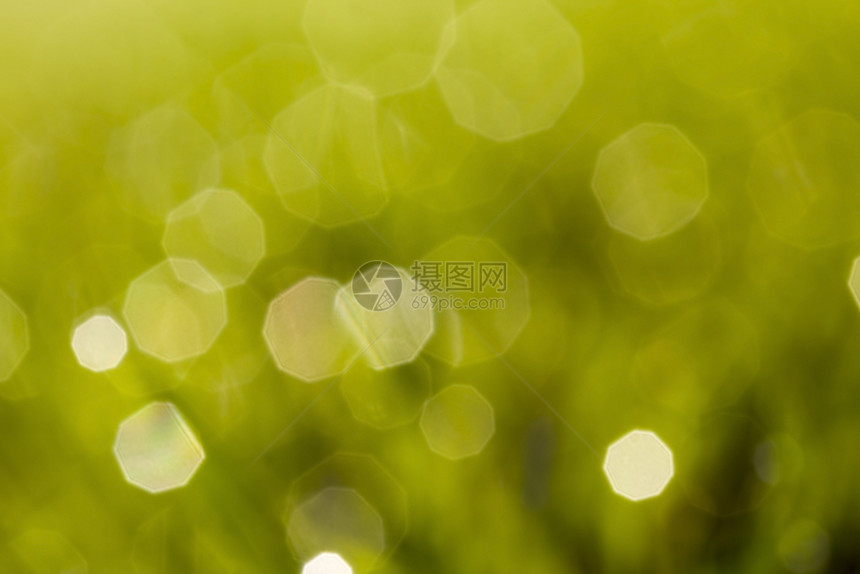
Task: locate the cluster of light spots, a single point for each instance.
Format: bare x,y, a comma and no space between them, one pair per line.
14,335
389,398
458,422
99,343
489,320
437,163
347,504
804,547
385,46
728,49
322,157
47,552
703,360
327,563
218,229
392,336
156,449
650,181
339,519
669,269
175,310
160,160
512,69
305,333
798,177
639,465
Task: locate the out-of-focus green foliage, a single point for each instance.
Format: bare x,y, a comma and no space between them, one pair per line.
692,281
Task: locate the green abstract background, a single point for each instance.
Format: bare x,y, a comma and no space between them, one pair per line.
673,186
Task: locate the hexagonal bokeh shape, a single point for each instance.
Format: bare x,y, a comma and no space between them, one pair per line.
218,229
337,519
305,334
386,399
458,422
639,465
161,159
650,181
323,157
489,317
385,46
798,177
341,502
15,335
156,449
327,563
175,310
99,343
512,69
391,336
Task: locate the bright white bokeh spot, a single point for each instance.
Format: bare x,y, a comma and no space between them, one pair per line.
14,335
176,310
385,46
458,422
160,160
639,465
340,520
389,337
305,334
799,175
651,181
156,449
99,343
327,563
512,69
218,229
322,156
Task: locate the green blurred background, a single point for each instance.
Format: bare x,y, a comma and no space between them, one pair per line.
732,338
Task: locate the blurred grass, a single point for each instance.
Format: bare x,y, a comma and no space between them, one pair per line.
535,500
